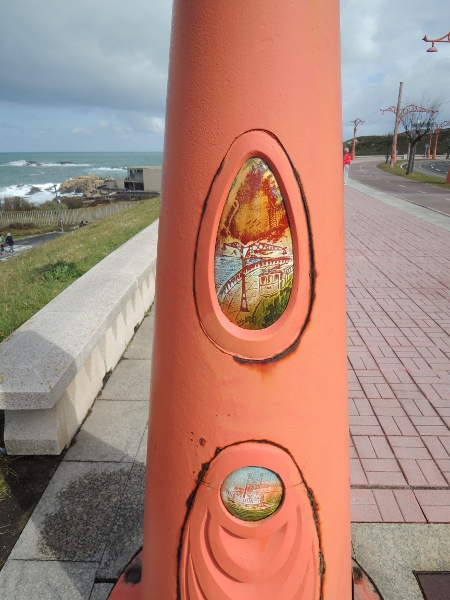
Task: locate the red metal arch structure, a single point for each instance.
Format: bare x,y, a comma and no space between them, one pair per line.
445,38
406,110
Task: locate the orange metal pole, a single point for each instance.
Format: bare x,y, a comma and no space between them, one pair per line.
435,144
247,492
396,126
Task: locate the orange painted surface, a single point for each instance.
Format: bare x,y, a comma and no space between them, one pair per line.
363,586
448,177
128,587
250,80
271,559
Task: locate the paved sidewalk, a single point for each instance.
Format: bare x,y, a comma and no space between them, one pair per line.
398,307
88,524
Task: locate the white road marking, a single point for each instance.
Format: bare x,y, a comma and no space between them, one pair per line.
401,185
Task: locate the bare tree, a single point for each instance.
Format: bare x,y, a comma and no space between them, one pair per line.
417,124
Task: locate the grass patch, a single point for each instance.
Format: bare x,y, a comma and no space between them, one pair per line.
20,230
4,470
397,170
4,489
32,279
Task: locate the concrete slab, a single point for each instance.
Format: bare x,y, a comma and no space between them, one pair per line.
130,381
101,591
126,534
46,580
112,432
141,346
390,553
141,456
74,517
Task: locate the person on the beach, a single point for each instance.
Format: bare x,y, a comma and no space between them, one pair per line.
347,161
10,243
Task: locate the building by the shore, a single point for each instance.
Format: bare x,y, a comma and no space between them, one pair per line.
143,179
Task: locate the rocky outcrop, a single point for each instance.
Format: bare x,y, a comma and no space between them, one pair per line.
90,186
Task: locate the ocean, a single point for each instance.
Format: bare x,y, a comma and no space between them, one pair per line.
32,175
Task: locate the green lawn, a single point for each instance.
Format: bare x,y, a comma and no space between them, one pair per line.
397,170
31,279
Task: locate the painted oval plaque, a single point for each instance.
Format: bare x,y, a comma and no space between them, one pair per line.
252,493
253,259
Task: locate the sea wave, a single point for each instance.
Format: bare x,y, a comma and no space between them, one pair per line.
37,193
33,163
109,169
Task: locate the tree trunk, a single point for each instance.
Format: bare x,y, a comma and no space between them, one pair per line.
412,156
388,153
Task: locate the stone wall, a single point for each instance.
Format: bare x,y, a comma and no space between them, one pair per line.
52,368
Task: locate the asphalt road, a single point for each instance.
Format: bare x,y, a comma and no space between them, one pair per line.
435,167
29,243
423,194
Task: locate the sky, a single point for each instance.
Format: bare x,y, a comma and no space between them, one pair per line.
90,75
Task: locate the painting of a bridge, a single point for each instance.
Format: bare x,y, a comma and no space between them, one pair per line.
254,263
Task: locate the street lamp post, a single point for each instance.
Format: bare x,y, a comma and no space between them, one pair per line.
397,123
58,207
428,154
356,122
445,38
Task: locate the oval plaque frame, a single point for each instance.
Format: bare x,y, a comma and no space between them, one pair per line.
271,342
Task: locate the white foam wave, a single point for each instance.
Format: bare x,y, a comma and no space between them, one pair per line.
33,163
64,164
16,163
110,169
37,194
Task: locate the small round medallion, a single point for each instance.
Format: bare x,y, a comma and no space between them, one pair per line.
252,493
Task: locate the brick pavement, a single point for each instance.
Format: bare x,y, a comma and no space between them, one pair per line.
398,308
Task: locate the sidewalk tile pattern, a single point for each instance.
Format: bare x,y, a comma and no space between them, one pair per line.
398,309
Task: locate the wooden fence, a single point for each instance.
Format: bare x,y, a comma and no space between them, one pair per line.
68,217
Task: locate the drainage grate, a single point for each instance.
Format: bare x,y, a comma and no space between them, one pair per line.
434,585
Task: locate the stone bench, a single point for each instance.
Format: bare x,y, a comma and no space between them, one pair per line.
52,368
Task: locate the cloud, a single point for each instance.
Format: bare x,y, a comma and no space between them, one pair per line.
93,75
154,124
105,54
80,131
381,46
